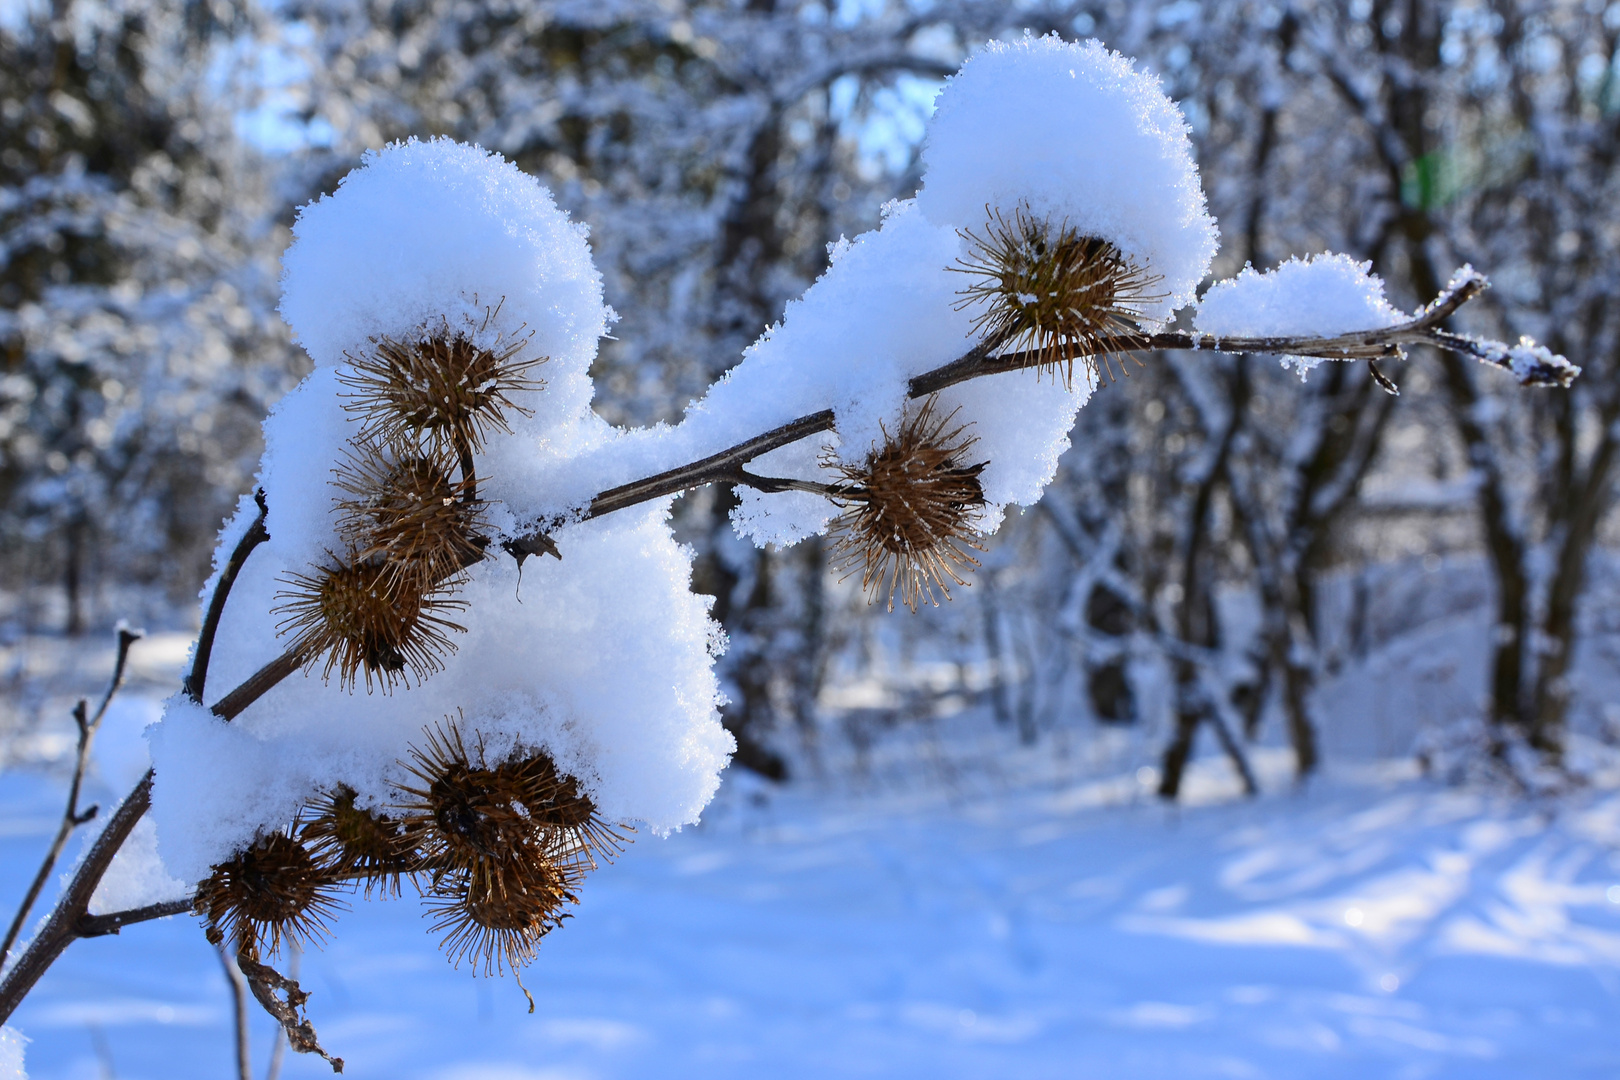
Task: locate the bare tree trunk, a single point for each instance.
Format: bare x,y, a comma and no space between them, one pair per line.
1584,506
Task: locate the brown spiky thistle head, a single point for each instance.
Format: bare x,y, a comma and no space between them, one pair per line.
558,807
908,507
439,387
507,844
359,615
270,890
408,511
355,842
496,920
1051,292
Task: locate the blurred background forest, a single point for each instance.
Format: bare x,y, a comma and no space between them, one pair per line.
1228,559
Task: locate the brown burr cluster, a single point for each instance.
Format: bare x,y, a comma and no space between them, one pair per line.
1053,293
909,510
409,512
497,849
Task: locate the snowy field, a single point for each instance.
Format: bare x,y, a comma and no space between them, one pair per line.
1016,918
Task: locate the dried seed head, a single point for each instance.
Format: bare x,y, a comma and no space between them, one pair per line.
558,808
463,810
1054,293
270,890
407,511
359,615
439,388
355,842
496,919
508,844
908,510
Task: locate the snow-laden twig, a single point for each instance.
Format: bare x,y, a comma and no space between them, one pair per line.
1531,365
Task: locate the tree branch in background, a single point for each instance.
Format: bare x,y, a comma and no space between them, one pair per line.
239,1011
72,817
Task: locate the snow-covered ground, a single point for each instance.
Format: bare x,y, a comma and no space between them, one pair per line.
1029,919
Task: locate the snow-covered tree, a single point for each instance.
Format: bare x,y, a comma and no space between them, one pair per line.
139,344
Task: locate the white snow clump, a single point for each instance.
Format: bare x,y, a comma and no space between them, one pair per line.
1081,137
438,231
1320,296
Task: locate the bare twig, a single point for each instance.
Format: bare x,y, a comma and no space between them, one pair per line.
72,817
239,1011
113,922
255,535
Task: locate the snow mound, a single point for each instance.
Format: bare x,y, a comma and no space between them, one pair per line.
603,660
1319,296
1081,136
439,230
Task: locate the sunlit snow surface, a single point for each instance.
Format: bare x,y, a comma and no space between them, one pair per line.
1378,925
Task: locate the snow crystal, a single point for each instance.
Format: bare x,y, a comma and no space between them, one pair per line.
426,233
1079,135
1320,296
12,1042
1527,358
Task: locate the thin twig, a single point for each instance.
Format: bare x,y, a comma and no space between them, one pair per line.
239,1011
255,535
72,818
112,922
